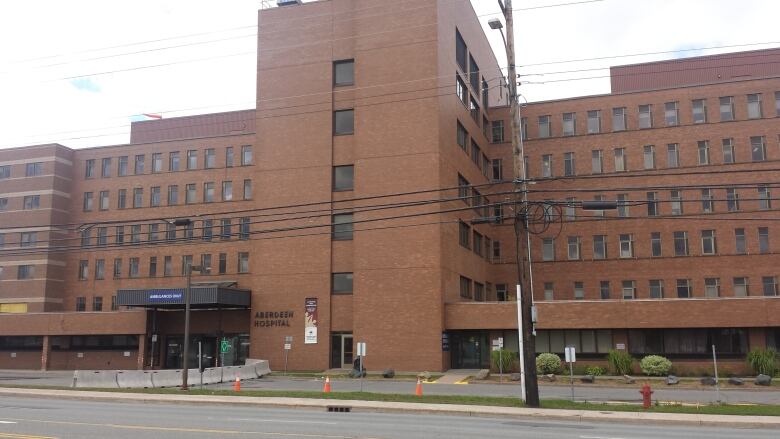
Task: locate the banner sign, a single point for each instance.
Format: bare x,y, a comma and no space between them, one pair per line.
165,296
311,321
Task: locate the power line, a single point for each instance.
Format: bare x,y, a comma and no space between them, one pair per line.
649,173
533,8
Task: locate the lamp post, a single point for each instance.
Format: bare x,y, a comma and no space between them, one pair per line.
185,370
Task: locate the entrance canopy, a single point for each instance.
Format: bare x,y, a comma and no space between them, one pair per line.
202,296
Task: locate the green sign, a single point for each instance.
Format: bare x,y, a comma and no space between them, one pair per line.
224,346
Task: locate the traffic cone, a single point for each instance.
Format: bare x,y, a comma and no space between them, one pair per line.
418,390
237,384
326,387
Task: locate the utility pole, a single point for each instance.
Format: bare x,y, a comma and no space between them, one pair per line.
528,345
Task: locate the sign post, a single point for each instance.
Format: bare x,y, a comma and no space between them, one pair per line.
571,357
717,384
287,346
361,351
498,345
200,363
224,347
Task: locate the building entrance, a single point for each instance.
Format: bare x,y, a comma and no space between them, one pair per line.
341,351
470,350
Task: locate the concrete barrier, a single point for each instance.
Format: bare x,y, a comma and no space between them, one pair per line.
134,379
261,367
229,373
211,375
166,378
95,378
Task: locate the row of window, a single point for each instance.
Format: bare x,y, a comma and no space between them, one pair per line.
482,292
166,269
29,202
172,196
625,248
33,169
656,289
730,154
482,206
71,342
490,168
175,159
156,233
480,244
671,116
97,303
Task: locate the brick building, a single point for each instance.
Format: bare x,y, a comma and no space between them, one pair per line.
347,207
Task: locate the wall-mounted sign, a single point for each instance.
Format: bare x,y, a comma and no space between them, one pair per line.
268,319
445,342
165,296
311,321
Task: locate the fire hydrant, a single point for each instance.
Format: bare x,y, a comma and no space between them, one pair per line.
646,392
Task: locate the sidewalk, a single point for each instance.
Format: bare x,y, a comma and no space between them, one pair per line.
403,407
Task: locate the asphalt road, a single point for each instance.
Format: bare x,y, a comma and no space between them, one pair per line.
32,418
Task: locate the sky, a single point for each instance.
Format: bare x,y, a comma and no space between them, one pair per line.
77,72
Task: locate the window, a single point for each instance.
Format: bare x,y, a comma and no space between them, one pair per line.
726,108
600,247
461,91
652,204
154,233
155,199
189,196
153,266
629,289
139,164
524,128
699,108
497,131
645,116
205,262
189,230
121,170
579,290
672,155
210,158
708,244
32,202
568,164
102,236
544,127
86,236
229,157
741,287
5,171
27,239
627,246
81,304
207,230
571,211
549,293
186,263
33,169
89,168
173,161
547,165
225,231
135,234
676,202
649,156
462,136
496,251
740,242
464,234
104,202
105,167
97,303
173,195
711,287
87,201
247,189
704,152
343,122
479,292
622,205
594,121
156,162
342,226
497,165
763,239
246,150
227,190
681,243
728,151
121,201
620,159
707,203
83,270
3,204
684,288
25,272
119,237
344,72
569,124
619,119
758,148
777,103
764,199
138,197
192,159
770,285
465,287
135,267
168,266
655,244
473,73
222,263
474,110
114,306
604,290
460,51
100,269
656,288
548,249
596,161
732,199
243,228
485,125
208,192
754,106
574,248
117,268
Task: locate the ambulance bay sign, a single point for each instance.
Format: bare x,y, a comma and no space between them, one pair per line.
311,321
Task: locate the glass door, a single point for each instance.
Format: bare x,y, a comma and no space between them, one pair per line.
341,354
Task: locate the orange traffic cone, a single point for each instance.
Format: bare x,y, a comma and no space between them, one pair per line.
418,390
326,387
237,384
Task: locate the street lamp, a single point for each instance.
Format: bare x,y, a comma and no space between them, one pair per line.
185,370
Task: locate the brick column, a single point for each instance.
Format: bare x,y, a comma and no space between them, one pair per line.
45,353
141,351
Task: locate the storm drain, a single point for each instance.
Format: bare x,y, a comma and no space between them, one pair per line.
339,409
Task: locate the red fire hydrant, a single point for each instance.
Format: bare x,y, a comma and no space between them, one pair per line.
646,392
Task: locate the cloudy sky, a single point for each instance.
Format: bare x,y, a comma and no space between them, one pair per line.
75,72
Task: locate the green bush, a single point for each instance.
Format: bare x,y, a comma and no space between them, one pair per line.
763,361
547,363
502,359
655,365
620,362
595,370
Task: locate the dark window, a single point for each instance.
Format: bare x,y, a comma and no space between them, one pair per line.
343,178
222,263
244,228
343,122
33,169
342,226
465,287
462,136
153,266
341,283
121,169
497,130
89,171
687,342
460,50
97,303
139,164
473,74
464,234
81,304
344,72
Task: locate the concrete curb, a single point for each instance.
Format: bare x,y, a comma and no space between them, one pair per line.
410,407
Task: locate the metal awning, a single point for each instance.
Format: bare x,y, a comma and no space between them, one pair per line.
202,296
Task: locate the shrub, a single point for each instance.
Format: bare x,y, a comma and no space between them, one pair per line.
763,361
620,362
547,363
655,365
595,370
502,359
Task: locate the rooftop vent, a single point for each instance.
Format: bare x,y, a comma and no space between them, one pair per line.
288,2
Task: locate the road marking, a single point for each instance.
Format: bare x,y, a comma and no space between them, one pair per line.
8,422
23,436
280,421
599,437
